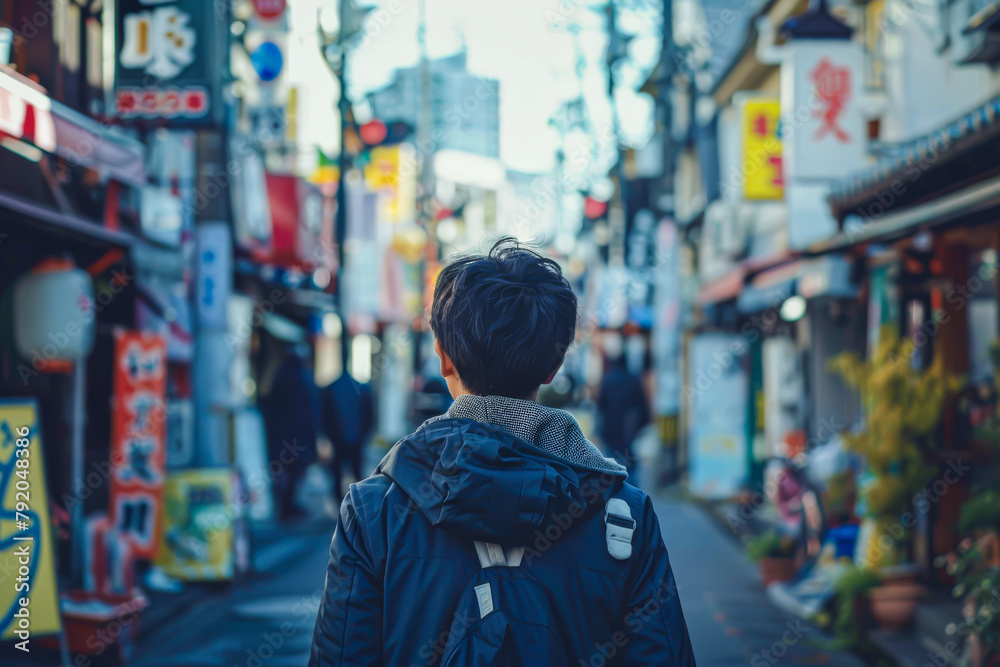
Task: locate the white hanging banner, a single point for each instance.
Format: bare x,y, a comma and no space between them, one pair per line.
822,127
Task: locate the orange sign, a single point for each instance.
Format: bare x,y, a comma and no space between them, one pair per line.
138,438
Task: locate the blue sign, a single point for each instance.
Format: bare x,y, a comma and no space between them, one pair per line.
267,60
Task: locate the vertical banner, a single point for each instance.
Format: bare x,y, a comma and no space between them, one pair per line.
667,324
717,390
29,597
760,156
138,438
215,271
823,130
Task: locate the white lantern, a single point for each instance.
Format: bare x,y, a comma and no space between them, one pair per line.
54,314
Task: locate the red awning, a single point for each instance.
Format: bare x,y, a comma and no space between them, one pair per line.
28,114
722,289
730,285
25,110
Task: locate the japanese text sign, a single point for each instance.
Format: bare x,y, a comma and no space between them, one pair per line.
823,130
166,59
761,149
138,437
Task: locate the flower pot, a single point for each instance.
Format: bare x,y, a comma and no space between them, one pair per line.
775,569
894,604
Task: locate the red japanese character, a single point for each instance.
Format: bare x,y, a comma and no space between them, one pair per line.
833,89
760,125
126,101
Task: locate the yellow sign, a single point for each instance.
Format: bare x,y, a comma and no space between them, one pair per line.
761,155
668,427
382,172
392,172
198,519
29,600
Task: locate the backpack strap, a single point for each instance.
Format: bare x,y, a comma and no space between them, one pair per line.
620,526
492,555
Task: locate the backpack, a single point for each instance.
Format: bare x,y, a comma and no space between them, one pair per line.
505,616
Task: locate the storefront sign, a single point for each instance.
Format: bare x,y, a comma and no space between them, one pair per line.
823,131
161,215
667,324
198,523
166,58
25,111
214,274
761,160
389,174
25,528
138,435
717,395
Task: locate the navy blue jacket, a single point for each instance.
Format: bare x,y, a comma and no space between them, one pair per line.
403,552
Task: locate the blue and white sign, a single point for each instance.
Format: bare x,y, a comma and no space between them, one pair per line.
215,270
716,391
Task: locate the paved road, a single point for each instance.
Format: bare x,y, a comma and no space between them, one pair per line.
267,622
730,619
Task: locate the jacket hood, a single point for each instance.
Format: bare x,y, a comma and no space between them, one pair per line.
482,481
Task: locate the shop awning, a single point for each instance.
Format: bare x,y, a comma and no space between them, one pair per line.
28,114
25,111
821,276
769,289
77,227
723,288
83,141
938,211
731,284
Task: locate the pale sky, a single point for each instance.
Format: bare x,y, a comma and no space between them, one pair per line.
514,41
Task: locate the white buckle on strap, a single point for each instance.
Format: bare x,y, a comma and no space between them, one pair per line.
492,555
620,527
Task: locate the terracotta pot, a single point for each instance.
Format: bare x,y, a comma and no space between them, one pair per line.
777,569
895,604
899,574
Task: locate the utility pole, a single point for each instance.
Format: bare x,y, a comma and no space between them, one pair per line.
335,55
425,129
340,223
663,102
617,214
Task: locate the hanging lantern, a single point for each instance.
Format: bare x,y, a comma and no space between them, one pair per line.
54,315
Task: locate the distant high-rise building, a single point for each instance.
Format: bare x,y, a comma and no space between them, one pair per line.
465,108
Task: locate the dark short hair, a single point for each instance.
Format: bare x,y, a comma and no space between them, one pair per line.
505,318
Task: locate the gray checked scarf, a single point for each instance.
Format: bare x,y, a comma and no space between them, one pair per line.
553,431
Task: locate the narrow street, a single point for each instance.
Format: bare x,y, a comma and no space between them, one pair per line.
729,617
269,620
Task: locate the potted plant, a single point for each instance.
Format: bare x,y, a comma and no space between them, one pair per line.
774,553
975,565
852,606
903,407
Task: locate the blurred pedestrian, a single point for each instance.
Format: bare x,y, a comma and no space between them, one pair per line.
496,534
290,411
433,399
623,410
348,419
